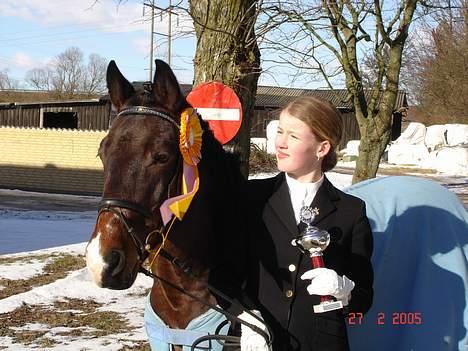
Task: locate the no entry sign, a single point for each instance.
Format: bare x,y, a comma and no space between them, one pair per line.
220,107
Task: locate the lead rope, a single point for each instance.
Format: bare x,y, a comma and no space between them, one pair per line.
157,251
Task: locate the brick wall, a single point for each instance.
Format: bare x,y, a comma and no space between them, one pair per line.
63,161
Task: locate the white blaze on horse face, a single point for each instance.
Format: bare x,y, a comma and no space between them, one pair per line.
94,260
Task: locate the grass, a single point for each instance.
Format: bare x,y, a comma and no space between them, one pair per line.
58,268
260,160
81,315
23,259
402,170
140,346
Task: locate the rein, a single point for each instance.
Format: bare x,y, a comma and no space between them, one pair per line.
115,206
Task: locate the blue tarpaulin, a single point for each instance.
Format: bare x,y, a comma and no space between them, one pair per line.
420,264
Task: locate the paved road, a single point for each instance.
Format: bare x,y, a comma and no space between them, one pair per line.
55,202
458,185
22,200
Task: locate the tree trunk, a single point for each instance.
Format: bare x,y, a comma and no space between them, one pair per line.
227,52
371,149
376,129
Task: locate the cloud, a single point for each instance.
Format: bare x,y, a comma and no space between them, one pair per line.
105,15
24,61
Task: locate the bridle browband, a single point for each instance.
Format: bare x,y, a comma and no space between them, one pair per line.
143,110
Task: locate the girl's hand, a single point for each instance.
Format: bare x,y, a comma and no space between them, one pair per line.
327,282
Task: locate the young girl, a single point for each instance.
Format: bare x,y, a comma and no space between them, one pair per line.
281,282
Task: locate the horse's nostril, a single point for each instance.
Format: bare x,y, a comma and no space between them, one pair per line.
116,261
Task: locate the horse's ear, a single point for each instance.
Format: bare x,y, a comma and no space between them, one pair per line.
120,89
166,89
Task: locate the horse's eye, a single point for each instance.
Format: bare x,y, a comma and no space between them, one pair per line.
160,158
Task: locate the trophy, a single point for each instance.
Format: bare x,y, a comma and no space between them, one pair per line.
313,241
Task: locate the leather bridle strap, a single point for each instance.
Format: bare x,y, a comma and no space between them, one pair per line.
111,202
115,206
143,110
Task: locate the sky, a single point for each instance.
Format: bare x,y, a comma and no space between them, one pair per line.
33,32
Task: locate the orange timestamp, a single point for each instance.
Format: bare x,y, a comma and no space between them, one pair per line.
393,318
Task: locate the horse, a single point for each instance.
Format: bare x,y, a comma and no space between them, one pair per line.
200,248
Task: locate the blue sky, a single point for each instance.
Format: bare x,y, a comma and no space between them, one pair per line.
35,31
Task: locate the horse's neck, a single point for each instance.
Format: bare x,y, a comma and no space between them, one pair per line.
175,308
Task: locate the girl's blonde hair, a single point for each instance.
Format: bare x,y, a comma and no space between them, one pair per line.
324,121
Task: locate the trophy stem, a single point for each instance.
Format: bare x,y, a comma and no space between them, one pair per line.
317,261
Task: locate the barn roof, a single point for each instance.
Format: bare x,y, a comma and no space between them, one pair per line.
272,97
276,97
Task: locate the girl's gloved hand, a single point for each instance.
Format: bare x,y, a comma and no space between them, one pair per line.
250,339
327,282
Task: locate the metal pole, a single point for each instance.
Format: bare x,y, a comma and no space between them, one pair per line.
169,35
152,43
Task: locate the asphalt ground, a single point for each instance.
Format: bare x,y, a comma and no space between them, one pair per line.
32,201
456,184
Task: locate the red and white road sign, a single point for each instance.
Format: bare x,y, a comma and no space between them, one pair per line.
220,107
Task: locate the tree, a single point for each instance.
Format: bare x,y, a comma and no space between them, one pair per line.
40,78
67,75
68,71
227,51
6,82
95,75
442,79
342,29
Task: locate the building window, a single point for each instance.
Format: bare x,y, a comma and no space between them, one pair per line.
62,120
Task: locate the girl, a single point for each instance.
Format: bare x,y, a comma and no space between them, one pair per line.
281,282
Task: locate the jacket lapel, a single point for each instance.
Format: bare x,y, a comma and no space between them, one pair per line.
324,200
279,204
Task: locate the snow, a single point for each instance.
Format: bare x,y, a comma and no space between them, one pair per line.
129,303
26,233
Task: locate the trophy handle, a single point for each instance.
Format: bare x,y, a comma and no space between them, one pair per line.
317,262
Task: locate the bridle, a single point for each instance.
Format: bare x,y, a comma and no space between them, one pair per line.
115,206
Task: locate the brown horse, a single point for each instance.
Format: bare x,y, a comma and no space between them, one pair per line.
142,168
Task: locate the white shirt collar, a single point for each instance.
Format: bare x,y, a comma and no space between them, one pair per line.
302,194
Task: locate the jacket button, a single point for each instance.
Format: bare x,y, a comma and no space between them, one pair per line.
292,268
289,293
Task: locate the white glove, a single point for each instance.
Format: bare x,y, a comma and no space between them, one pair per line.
327,282
250,339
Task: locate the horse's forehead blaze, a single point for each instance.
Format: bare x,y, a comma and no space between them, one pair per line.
105,234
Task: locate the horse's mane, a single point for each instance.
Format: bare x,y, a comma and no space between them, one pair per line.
212,150
218,157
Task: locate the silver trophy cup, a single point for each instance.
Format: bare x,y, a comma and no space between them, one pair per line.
313,241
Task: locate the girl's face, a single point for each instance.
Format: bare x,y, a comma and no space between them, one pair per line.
298,151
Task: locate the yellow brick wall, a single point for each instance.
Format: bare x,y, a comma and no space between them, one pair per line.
55,160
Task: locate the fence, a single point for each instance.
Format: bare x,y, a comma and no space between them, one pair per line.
51,160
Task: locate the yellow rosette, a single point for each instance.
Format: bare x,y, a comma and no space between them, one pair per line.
190,137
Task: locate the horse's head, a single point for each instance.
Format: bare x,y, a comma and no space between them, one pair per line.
141,162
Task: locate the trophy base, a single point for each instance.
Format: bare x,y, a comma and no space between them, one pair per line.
328,306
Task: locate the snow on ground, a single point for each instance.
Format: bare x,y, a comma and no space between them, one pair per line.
22,231
77,285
